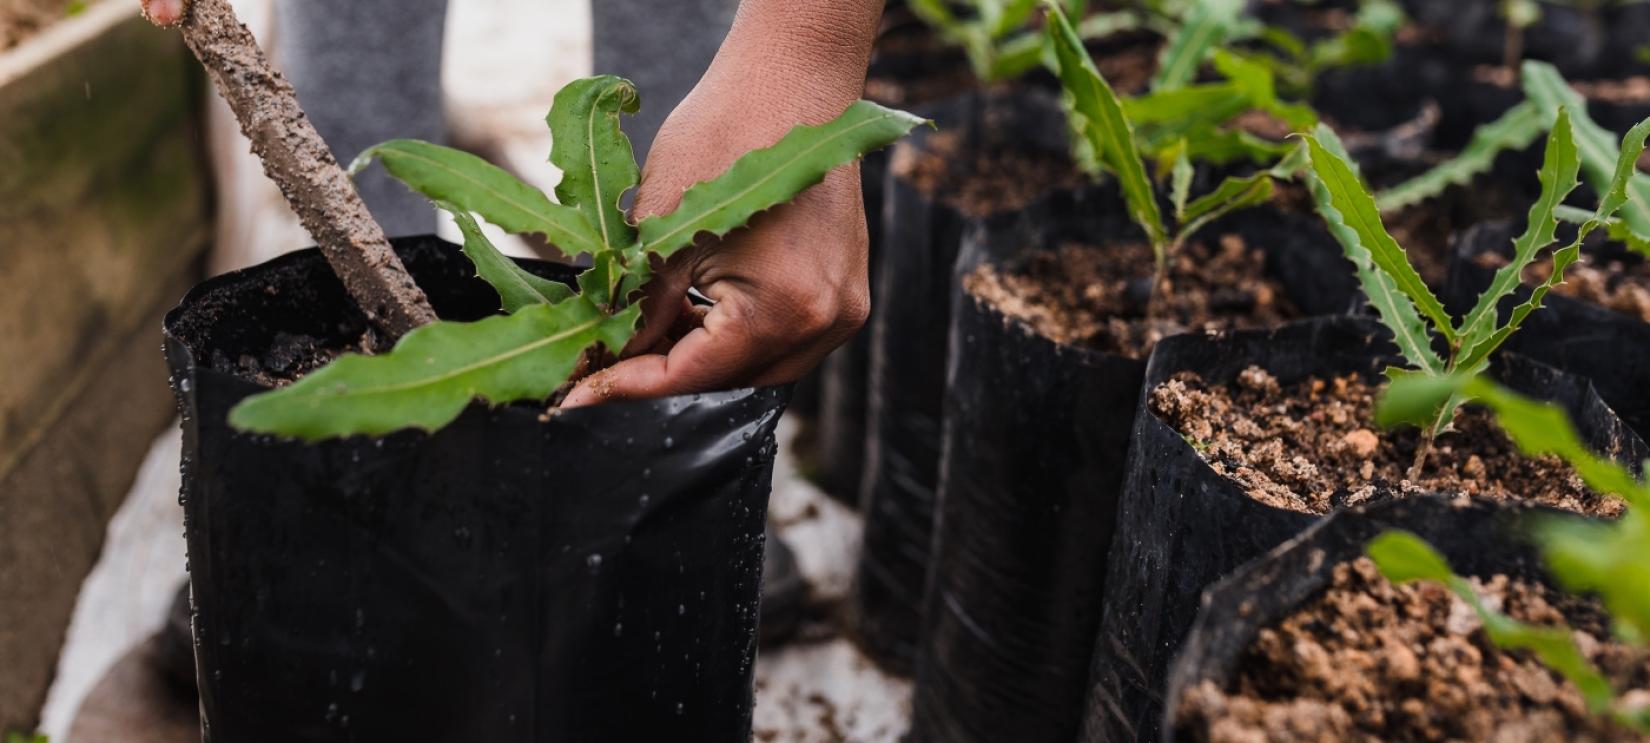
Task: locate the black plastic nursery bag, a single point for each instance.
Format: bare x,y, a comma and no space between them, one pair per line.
589,575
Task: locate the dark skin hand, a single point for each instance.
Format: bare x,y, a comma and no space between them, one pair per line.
792,286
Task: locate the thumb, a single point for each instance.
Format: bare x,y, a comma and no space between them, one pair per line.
722,354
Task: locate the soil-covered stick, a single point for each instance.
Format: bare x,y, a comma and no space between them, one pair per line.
297,159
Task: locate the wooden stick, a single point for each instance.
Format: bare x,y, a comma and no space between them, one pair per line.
299,161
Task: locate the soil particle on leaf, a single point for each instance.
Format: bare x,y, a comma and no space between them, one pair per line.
1370,661
1312,446
1096,297
984,182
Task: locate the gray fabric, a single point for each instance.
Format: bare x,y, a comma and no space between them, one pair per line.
663,46
367,71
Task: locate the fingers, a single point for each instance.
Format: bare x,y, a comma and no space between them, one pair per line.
722,354
735,347
165,13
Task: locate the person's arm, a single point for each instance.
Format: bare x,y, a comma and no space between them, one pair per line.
794,285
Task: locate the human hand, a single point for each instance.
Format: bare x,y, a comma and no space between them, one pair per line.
165,13
788,289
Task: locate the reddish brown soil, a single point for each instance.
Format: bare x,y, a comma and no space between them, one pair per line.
1371,661
982,183
1313,446
1097,297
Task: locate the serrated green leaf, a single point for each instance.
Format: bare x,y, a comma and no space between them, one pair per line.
474,185
517,287
1098,114
435,371
1395,309
1598,147
599,283
1403,557
1616,196
1205,27
1558,177
1515,130
1231,195
597,163
765,178
1356,209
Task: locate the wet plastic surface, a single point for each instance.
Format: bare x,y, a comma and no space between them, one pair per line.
1176,520
1610,348
1480,539
1036,435
907,366
593,576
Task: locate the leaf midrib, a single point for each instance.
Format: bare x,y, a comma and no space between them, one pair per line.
548,221
652,245
488,361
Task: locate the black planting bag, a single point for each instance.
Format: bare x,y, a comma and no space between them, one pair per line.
1181,526
1480,538
594,575
1036,435
919,246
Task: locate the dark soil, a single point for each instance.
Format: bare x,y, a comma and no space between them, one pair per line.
288,359
1371,661
986,182
1096,297
1619,282
1312,446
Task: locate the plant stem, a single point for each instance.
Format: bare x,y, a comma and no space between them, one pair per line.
1160,276
299,161
1421,454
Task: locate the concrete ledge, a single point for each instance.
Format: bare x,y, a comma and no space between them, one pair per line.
103,219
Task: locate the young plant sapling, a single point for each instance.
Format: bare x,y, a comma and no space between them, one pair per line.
1297,63
1401,299
1545,91
1107,135
993,35
1608,560
550,330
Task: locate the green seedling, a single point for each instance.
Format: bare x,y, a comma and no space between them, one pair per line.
1297,63
1402,299
550,331
1107,139
994,33
1545,93
1607,560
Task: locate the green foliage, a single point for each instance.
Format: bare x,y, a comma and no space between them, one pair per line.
27,738
1599,154
1298,64
1404,557
1517,129
1607,560
993,33
1396,290
1206,26
1102,121
434,372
